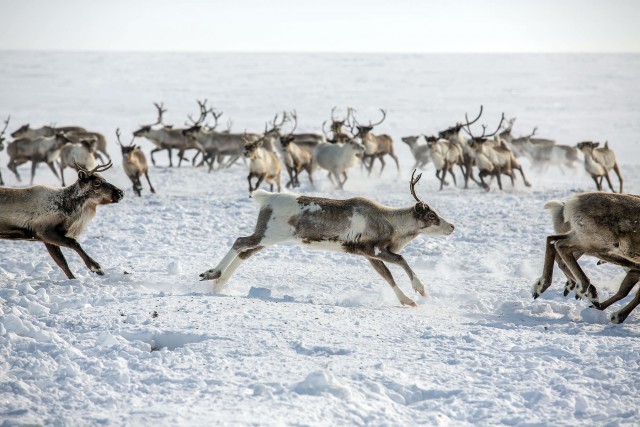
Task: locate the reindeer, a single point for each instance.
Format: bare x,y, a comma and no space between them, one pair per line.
216,145
376,146
74,133
38,150
57,216
134,163
445,156
602,225
529,146
337,158
599,161
295,159
2,139
78,154
166,138
357,226
264,164
420,153
493,159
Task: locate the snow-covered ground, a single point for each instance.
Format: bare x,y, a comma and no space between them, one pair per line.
303,337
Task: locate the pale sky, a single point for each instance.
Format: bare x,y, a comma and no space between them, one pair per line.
322,26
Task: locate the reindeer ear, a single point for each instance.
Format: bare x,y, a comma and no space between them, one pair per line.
421,209
82,175
596,144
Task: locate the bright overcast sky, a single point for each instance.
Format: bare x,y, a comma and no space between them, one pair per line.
322,26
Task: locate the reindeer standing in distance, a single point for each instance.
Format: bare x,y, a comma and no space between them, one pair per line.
134,163
421,153
264,164
445,156
78,154
39,150
293,157
376,146
357,226
598,162
2,139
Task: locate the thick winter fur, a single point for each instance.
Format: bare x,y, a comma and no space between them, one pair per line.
376,147
38,150
337,158
264,165
599,162
606,226
445,156
358,226
56,216
295,160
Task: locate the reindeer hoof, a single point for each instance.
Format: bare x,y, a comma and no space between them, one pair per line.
99,272
422,293
617,318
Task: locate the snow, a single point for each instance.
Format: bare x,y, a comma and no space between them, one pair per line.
309,337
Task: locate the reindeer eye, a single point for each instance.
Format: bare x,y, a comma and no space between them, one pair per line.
97,183
432,216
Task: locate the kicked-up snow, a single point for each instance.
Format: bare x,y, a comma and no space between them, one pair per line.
302,337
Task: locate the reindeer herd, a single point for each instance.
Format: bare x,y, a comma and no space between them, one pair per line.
602,225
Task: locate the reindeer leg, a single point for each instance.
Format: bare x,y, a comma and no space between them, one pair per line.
61,174
565,249
1,181
606,175
526,183
155,150
382,270
146,174
621,315
616,169
242,249
598,183
381,158
33,170
12,167
450,170
344,174
395,158
58,257
629,281
388,256
543,283
54,237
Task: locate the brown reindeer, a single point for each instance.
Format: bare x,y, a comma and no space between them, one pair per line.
57,216
376,146
134,163
599,162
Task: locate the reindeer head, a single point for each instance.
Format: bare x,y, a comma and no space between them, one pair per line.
95,188
127,150
476,142
20,132
411,141
144,130
430,140
251,146
587,147
429,221
363,130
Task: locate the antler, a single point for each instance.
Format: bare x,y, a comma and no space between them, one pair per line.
497,129
6,124
203,113
161,111
99,168
294,115
217,116
229,124
412,185
120,142
384,116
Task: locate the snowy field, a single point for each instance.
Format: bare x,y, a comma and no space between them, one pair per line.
304,337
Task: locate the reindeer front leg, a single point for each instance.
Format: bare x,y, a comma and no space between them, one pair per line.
382,270
388,256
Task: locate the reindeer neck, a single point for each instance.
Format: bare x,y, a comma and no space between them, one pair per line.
70,199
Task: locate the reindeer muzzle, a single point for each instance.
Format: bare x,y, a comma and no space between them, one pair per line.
117,195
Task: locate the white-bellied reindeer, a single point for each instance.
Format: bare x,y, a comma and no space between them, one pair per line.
78,154
264,165
599,162
134,163
57,216
294,158
166,137
421,153
39,150
356,226
376,146
602,225
492,157
445,156
74,133
2,139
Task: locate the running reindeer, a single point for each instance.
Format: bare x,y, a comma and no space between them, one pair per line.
357,226
376,146
603,225
134,163
599,162
57,216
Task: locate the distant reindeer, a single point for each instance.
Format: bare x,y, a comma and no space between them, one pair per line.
493,158
74,133
445,156
357,226
599,161
57,216
39,150
166,138
602,225
2,139
376,146
80,154
134,163
337,159
421,153
293,157
264,164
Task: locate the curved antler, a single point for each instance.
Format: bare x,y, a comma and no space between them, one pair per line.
497,129
384,116
101,168
294,115
6,124
120,142
161,111
412,185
